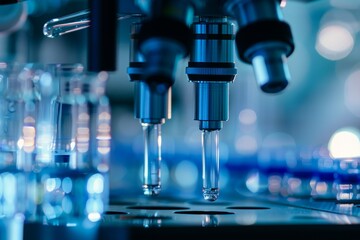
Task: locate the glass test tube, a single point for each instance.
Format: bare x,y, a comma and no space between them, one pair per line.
152,159
210,164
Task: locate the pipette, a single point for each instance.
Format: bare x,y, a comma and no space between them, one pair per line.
152,159
210,164
152,108
211,69
73,22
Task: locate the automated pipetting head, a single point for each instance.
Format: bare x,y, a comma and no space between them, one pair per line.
172,30
211,68
164,39
152,108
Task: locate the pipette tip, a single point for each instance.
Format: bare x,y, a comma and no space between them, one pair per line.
211,194
151,190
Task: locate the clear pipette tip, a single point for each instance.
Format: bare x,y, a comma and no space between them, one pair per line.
210,164
152,159
211,194
151,190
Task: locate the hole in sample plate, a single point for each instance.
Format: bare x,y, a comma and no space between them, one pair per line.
210,203
121,203
157,208
115,213
204,212
144,217
248,208
170,199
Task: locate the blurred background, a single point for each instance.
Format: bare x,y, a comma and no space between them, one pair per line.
321,103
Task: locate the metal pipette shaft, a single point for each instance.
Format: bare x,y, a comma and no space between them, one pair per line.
210,164
152,159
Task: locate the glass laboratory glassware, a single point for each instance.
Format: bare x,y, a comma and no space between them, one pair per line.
69,77
12,175
73,22
48,90
29,106
70,191
97,154
98,106
11,113
38,133
28,79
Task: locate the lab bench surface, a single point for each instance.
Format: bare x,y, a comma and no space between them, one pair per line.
241,217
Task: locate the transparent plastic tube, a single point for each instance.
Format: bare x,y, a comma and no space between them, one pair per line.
71,23
210,164
152,159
